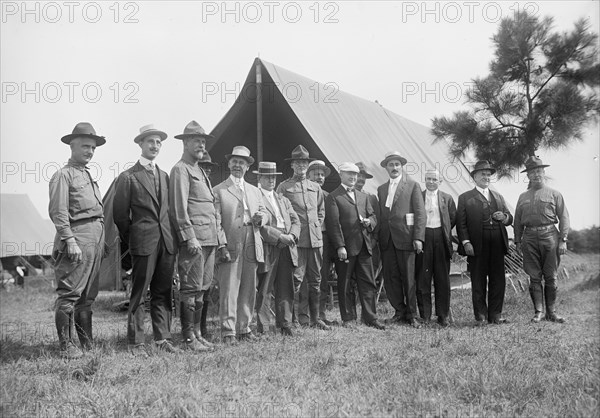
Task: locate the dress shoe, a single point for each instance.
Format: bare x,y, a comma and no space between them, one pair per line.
192,344
413,323
205,342
480,323
230,340
376,324
287,332
320,325
138,350
443,321
555,318
295,324
537,317
350,324
166,346
394,320
248,337
499,321
330,323
71,351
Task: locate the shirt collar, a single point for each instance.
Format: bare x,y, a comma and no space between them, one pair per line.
236,181
396,180
484,192
432,194
77,165
144,161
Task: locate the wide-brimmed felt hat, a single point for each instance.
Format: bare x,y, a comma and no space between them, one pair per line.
84,130
267,168
149,130
534,162
206,160
349,167
194,130
482,165
300,153
318,164
394,155
363,169
242,152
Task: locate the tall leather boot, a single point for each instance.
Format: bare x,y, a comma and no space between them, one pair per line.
83,326
190,342
203,329
199,316
550,294
536,291
64,322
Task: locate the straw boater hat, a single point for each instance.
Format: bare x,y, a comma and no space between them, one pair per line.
85,130
318,164
206,160
482,165
149,130
532,163
194,130
300,153
349,167
242,152
394,155
267,168
363,169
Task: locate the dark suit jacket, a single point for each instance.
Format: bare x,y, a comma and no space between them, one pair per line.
469,219
447,216
139,215
408,199
271,234
343,224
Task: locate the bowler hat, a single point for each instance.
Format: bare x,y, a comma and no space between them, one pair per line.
300,153
363,169
394,155
482,165
206,160
85,130
318,164
534,162
267,168
241,152
149,130
194,130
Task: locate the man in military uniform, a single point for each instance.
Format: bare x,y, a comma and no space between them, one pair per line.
318,172
77,213
538,210
192,212
309,204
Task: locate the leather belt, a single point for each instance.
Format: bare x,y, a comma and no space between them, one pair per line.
540,228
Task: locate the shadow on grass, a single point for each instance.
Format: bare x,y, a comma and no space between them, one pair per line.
11,351
592,282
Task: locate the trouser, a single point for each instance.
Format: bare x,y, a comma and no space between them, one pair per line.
195,276
307,279
154,270
433,264
540,262
359,268
488,276
326,269
399,281
237,288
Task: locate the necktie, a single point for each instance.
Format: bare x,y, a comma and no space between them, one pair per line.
280,222
390,196
150,167
350,192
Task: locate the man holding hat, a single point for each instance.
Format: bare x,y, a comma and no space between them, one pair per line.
481,220
401,235
281,255
194,218
141,213
76,210
240,215
350,221
317,171
309,204
538,210
434,261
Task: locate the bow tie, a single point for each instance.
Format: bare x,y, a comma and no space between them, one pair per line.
350,189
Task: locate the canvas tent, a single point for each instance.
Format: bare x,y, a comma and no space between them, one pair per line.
333,125
25,235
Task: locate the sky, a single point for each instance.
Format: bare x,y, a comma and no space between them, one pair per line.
122,65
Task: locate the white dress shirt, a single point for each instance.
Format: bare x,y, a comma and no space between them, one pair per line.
392,191
433,209
240,184
271,197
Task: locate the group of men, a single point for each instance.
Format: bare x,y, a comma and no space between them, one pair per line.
260,242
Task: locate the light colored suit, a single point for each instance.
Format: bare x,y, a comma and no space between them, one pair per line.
237,279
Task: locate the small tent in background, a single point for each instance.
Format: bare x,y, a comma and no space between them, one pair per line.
27,238
333,125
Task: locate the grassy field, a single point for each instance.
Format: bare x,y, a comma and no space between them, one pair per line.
518,369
